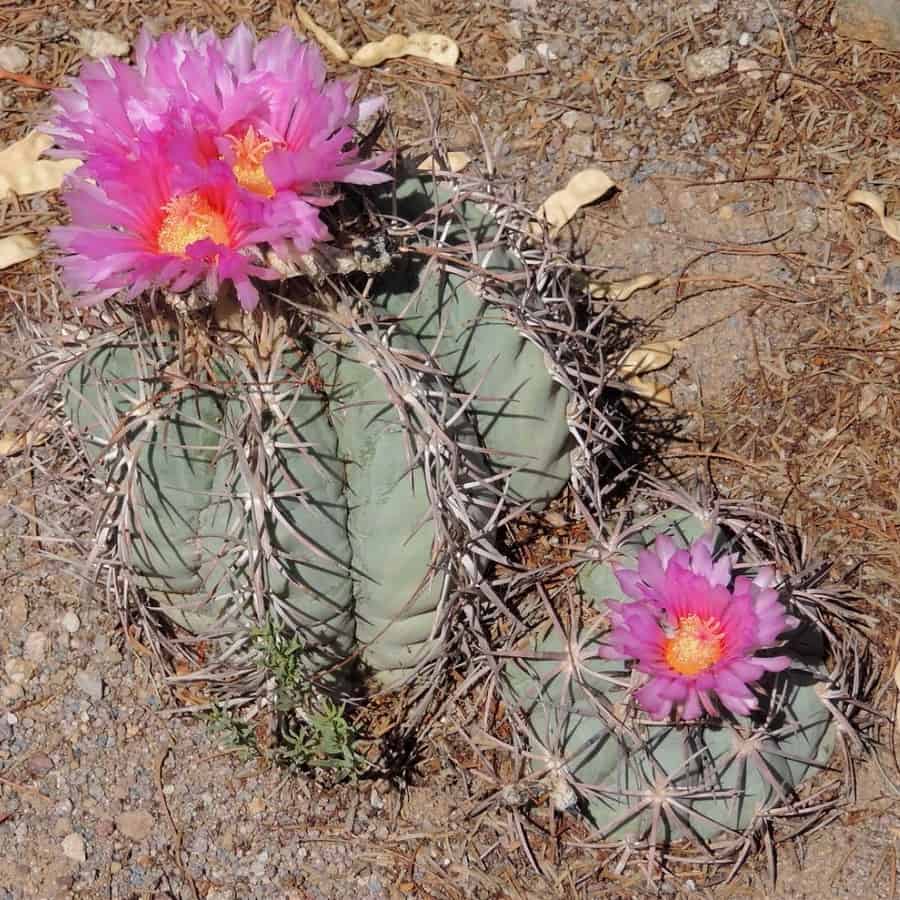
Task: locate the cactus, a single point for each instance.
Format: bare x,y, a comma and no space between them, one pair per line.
340,479
710,781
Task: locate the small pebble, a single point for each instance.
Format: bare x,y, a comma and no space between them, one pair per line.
98,44
656,216
19,671
807,221
17,611
890,284
13,59
70,622
135,824
73,847
707,63
657,94
91,683
745,39
36,646
39,764
516,63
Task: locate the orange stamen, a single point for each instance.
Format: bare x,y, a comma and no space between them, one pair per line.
696,645
249,153
190,218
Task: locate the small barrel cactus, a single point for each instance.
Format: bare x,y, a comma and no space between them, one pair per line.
680,701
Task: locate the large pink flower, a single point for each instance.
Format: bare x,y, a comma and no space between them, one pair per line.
158,224
693,633
229,131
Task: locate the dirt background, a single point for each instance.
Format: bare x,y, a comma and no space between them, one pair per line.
786,387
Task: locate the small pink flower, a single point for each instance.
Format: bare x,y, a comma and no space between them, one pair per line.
693,633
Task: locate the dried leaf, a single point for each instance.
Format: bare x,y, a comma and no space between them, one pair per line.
22,172
17,248
321,35
890,225
622,290
582,189
14,442
650,390
437,48
648,358
456,162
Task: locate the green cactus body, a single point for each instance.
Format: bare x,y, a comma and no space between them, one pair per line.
660,782
247,493
195,521
520,411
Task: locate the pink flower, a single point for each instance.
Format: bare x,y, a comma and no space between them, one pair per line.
169,226
254,138
692,633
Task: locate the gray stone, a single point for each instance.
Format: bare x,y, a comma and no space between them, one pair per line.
13,59
876,21
890,284
707,63
657,94
656,216
91,683
807,221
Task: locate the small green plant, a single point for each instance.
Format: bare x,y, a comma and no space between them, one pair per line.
311,730
234,733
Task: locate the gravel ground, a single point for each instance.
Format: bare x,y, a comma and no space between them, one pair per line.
105,790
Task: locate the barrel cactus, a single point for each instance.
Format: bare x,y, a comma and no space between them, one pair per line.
308,408
677,700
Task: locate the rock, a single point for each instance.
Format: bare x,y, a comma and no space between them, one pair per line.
9,693
545,52
39,764
73,847
18,670
98,44
751,68
745,39
707,63
516,63
36,646
91,683
13,59
6,730
656,216
580,144
17,611
135,824
876,21
657,94
70,622
807,221
525,6
890,284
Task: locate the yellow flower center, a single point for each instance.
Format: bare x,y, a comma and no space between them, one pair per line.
696,645
190,218
249,153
